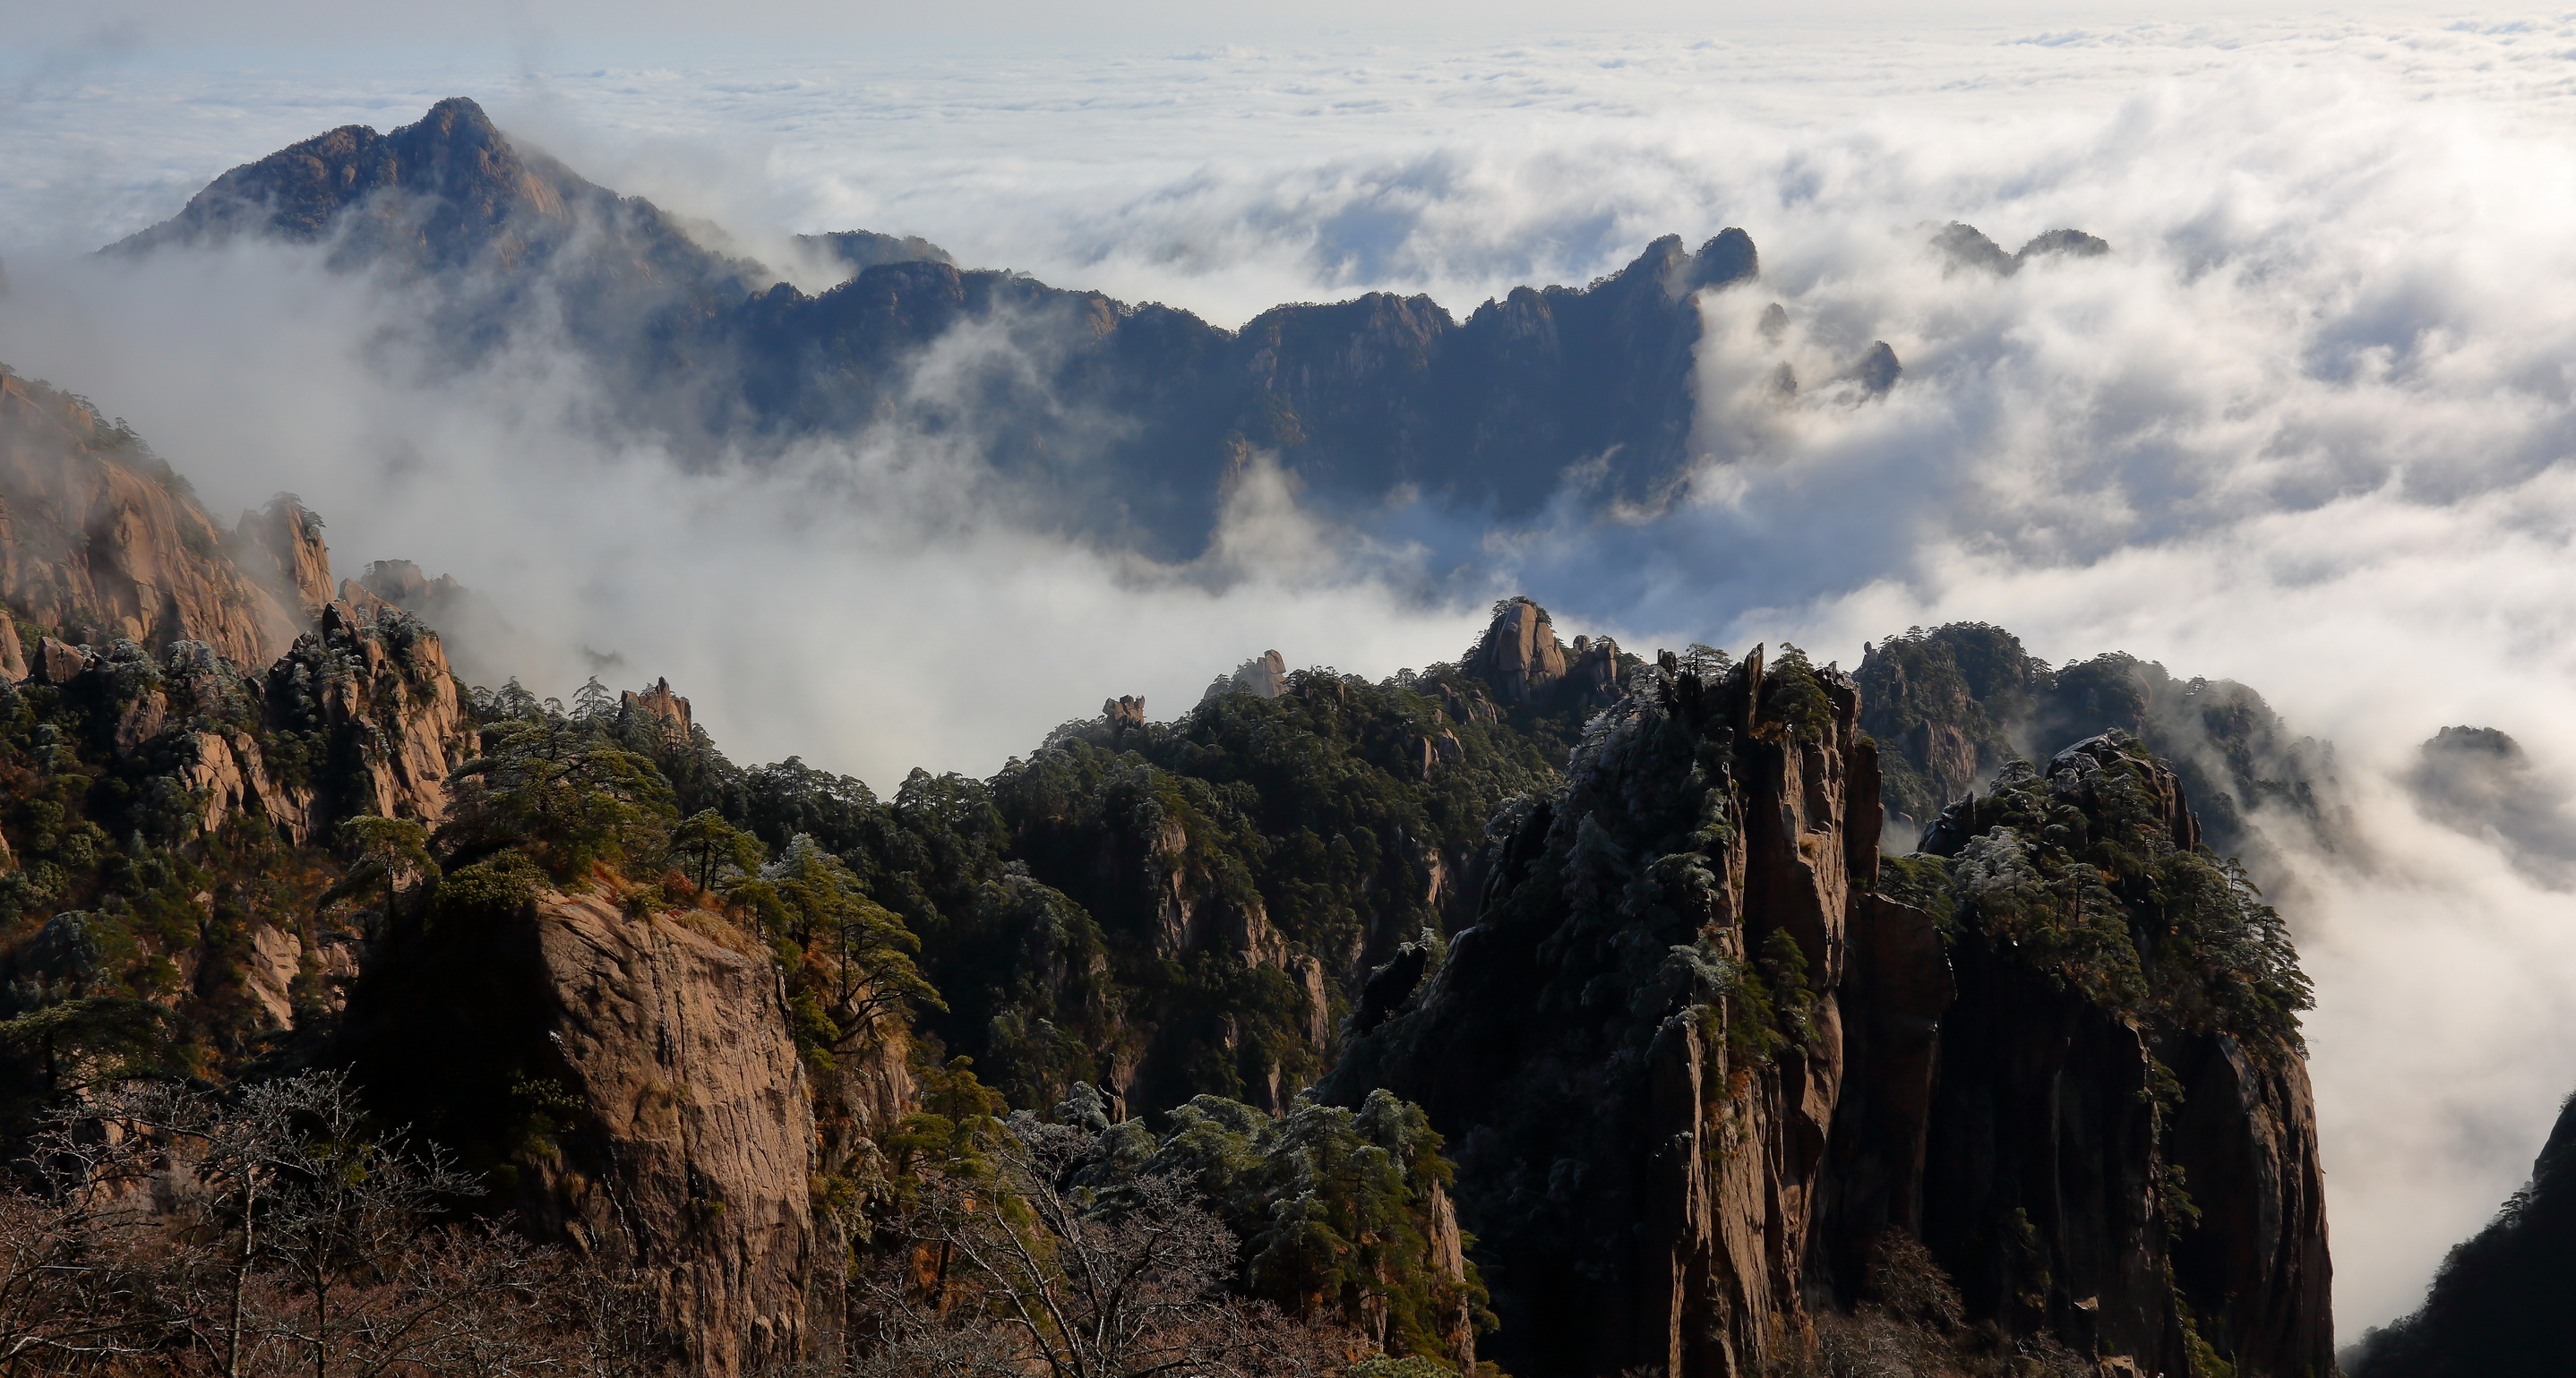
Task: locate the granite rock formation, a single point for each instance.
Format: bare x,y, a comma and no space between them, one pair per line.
376,698
1264,676
1954,705
636,1078
2123,1146
281,546
99,540
1706,1061
1699,1065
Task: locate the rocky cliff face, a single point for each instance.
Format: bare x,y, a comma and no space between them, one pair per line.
1700,1067
98,540
1644,1184
2123,1148
373,704
632,1082
281,547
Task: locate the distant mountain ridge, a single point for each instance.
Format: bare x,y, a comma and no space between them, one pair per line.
1126,423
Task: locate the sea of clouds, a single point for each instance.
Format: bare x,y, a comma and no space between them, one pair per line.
2308,426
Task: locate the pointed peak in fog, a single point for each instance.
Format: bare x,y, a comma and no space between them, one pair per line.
453,156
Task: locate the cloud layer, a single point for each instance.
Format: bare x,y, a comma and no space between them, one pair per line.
2308,426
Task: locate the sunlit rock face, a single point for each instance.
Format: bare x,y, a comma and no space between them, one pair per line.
99,541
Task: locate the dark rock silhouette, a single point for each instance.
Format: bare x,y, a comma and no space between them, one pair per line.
1134,418
2499,1305
1698,1065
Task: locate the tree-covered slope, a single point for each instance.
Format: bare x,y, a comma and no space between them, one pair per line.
1953,705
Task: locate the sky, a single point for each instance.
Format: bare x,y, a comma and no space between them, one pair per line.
2307,426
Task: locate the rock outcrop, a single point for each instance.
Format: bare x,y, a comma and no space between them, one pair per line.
1123,711
1520,657
377,699
657,712
1264,676
1699,1067
636,1078
1519,654
1955,704
281,546
690,1151
99,540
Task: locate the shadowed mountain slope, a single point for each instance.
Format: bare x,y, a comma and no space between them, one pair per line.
1125,423
1725,1092
2500,1304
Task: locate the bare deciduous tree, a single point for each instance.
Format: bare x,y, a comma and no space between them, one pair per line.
268,1234
1023,1269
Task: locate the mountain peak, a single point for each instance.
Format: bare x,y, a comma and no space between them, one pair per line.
454,159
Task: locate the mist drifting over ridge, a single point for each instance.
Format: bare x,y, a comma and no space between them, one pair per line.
2305,427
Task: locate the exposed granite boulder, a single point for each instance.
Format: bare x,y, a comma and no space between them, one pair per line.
1264,676
657,710
638,1079
58,664
1519,654
696,1136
